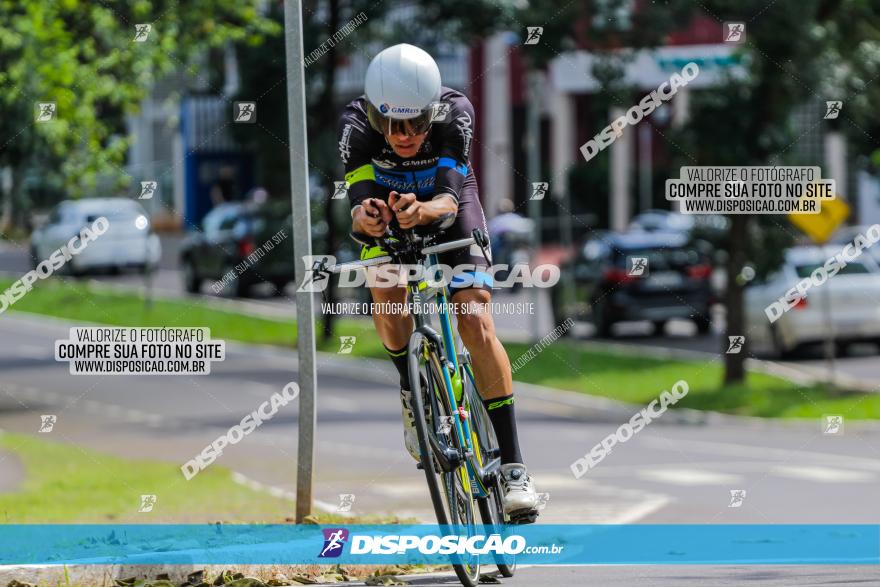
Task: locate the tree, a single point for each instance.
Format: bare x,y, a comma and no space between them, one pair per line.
83,57
262,71
816,56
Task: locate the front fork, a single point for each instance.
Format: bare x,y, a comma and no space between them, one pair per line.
466,411
454,373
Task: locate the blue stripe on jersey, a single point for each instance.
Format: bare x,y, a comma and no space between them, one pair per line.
451,163
419,182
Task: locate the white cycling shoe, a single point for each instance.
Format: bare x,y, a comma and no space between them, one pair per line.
410,436
517,494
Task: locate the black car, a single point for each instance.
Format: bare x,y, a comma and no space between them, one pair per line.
638,276
240,245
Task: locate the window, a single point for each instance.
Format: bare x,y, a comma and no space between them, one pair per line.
849,269
229,221
663,259
223,217
55,215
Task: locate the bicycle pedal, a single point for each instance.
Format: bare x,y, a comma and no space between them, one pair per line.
437,467
523,517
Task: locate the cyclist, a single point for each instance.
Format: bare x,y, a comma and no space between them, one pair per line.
405,145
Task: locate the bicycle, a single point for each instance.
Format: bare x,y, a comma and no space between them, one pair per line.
459,450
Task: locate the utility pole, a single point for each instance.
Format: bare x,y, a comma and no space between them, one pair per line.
621,169
533,170
302,248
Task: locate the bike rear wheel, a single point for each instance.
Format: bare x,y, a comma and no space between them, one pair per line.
451,492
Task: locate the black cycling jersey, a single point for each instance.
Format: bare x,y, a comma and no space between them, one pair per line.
441,166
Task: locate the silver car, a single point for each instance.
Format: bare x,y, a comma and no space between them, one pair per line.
128,241
851,298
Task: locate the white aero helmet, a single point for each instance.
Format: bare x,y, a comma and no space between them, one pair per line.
402,84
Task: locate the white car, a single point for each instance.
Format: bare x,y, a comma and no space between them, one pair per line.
128,242
854,303
847,234
661,221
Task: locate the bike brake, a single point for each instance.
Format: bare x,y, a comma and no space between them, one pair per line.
481,239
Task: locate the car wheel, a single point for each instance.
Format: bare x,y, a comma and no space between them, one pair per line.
235,287
602,321
35,259
240,288
778,346
73,270
704,323
556,303
565,308
279,286
659,327
191,281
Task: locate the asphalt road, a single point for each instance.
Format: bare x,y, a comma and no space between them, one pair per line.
671,472
648,576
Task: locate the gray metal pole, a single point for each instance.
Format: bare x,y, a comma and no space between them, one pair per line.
621,168
533,170
829,345
302,246
148,267
645,171
566,234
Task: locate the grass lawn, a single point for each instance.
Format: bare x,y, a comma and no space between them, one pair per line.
564,364
79,302
639,380
69,484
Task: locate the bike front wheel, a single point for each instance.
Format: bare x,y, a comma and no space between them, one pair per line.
451,491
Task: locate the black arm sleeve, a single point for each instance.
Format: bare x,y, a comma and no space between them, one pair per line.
355,152
456,136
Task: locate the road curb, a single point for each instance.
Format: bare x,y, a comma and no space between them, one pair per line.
803,375
12,473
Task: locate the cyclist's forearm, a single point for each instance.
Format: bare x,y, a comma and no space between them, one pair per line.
442,204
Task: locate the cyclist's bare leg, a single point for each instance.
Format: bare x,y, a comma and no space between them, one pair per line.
393,324
494,380
477,330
